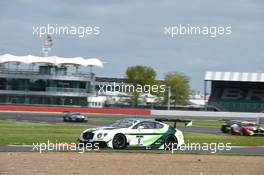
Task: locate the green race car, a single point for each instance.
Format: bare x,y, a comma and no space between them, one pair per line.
136,133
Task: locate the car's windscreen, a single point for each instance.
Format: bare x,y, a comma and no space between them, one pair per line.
123,123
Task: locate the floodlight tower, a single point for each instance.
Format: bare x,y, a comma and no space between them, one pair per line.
46,48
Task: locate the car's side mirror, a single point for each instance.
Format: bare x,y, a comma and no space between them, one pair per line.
140,127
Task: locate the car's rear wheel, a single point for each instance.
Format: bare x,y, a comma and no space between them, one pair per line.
232,131
119,141
170,142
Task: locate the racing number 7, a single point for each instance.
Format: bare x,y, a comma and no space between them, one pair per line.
140,140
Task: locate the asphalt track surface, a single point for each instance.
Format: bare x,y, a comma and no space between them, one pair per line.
59,115
242,150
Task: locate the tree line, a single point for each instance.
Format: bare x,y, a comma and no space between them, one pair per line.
177,84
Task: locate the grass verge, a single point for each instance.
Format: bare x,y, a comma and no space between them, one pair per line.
19,133
235,140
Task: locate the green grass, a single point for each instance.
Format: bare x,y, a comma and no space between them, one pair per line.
209,124
235,140
18,133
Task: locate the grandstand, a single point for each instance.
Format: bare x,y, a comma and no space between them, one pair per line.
236,91
33,80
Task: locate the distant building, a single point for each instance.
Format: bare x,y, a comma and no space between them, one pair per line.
236,91
198,100
30,80
96,101
46,80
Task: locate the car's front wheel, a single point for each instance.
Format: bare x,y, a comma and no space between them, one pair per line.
224,129
119,141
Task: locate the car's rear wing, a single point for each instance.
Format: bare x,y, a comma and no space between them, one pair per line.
186,122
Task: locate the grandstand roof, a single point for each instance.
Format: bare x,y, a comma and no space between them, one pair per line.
234,76
53,60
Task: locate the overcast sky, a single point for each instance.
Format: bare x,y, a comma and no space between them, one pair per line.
132,33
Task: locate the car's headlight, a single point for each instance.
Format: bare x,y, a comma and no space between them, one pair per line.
105,134
99,135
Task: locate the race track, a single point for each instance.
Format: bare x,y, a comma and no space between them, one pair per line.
247,150
57,118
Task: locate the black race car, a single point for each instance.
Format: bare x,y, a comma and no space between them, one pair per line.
73,117
226,126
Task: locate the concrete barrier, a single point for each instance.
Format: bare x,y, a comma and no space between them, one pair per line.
206,114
